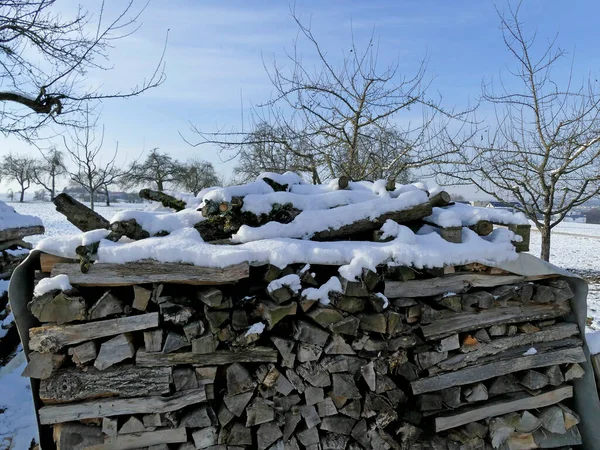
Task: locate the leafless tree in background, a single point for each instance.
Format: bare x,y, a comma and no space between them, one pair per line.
45,57
156,170
196,175
337,119
91,172
46,170
543,145
18,168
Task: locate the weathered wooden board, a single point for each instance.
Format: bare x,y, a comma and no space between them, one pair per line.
596,365
143,439
143,272
452,283
10,234
552,333
73,384
252,355
495,369
450,323
116,407
516,402
48,261
51,338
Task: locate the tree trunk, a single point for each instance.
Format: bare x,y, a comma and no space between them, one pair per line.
545,231
53,190
22,195
159,185
107,197
92,200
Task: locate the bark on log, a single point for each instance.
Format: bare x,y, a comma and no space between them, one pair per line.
495,369
117,407
442,198
144,272
72,384
10,234
515,402
51,338
168,201
450,323
482,227
253,355
78,214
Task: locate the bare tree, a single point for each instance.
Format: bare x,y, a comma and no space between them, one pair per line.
91,172
46,57
45,171
158,169
19,169
542,148
196,175
332,120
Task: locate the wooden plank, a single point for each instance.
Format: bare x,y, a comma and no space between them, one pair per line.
143,439
552,333
117,407
495,369
10,234
596,365
449,323
452,283
73,384
48,261
515,402
253,355
144,272
51,338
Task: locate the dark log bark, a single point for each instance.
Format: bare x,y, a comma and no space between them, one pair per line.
253,355
482,228
72,384
442,198
167,200
11,234
78,214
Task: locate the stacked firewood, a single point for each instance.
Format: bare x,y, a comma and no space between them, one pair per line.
156,355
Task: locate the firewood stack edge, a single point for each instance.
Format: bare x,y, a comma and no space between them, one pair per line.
254,355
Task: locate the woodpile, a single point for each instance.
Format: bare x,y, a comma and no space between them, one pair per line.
254,355
484,361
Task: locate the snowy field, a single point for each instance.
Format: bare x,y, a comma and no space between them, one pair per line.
575,247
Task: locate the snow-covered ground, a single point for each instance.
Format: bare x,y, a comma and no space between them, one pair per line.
575,247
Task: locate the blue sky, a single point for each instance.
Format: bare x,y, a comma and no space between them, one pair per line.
214,60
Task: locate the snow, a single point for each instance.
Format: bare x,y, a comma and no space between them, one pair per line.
470,215
3,286
6,324
531,351
256,328
291,281
593,341
17,252
17,423
322,293
59,282
386,302
154,222
289,178
65,246
309,222
9,218
225,194
444,218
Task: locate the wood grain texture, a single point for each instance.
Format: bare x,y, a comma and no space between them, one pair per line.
48,261
116,407
72,384
495,369
10,234
452,283
450,323
144,272
253,355
515,402
143,439
51,338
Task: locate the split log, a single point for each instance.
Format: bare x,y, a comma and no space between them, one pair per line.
117,407
51,338
450,323
10,234
494,369
76,436
70,385
514,402
59,308
368,225
78,214
83,353
153,340
143,439
458,283
219,358
115,350
42,365
141,298
168,201
493,347
143,272
107,305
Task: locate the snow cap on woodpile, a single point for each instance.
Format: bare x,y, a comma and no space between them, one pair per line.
9,218
311,233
